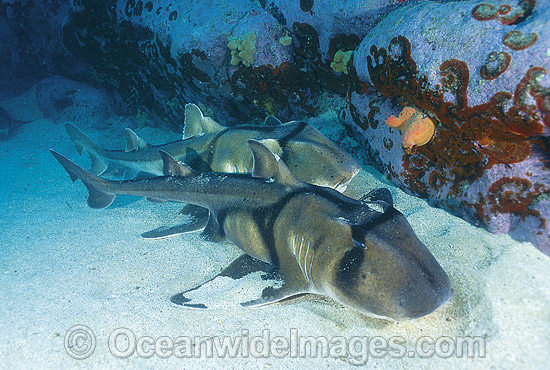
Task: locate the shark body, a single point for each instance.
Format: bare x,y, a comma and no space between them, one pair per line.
209,147
308,239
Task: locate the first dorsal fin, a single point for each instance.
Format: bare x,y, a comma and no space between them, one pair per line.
171,167
268,165
196,124
133,142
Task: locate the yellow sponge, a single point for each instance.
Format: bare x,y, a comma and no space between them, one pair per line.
341,59
242,49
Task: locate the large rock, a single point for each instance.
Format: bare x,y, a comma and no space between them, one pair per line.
160,55
477,72
471,73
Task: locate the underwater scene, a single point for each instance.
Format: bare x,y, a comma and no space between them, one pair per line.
274,184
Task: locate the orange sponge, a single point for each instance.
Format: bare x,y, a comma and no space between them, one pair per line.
417,129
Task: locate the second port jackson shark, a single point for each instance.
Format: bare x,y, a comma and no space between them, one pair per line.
303,238
207,146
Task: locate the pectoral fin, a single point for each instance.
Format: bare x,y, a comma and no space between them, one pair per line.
245,282
292,284
244,279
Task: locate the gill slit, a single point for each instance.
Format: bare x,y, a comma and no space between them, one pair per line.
303,261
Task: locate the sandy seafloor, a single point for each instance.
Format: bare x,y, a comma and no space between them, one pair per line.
63,264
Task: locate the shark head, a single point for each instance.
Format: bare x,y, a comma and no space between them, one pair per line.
332,166
372,261
383,270
313,158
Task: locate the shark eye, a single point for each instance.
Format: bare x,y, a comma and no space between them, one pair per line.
359,244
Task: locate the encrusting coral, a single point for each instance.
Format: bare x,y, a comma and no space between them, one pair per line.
417,129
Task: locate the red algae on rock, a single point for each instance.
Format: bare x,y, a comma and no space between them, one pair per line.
515,40
504,9
275,88
509,15
455,77
514,195
469,140
484,12
496,64
530,86
519,13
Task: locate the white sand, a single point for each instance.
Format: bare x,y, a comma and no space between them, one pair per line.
64,264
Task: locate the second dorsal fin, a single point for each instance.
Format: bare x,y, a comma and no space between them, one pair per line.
171,167
272,121
196,124
133,142
268,165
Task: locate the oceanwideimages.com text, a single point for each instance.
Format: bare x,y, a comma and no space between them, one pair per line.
80,343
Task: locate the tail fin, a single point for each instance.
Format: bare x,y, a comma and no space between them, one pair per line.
97,197
83,143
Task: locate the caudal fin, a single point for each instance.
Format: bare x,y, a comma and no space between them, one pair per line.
83,143
97,198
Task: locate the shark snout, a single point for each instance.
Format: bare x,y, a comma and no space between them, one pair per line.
415,281
409,290
430,306
420,301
